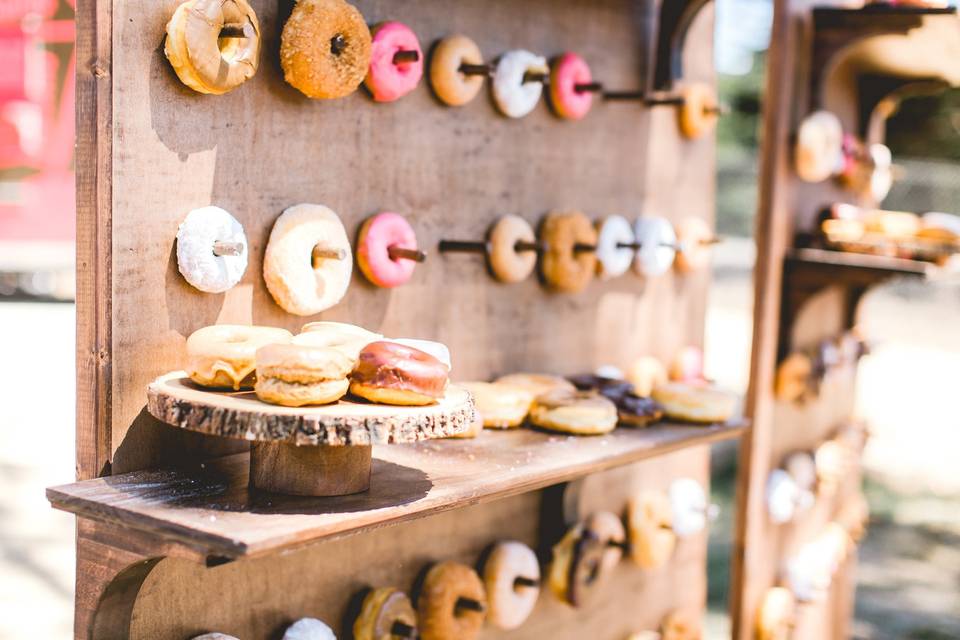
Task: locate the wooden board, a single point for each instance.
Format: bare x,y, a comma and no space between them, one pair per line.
175,400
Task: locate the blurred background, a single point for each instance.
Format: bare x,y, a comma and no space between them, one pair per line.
909,576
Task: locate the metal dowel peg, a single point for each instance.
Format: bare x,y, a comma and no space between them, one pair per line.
224,248
401,57
403,253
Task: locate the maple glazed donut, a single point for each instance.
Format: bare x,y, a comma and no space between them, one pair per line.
585,554
614,259
694,238
512,94
502,405
511,574
325,48
389,79
695,402
198,238
698,115
566,73
309,629
507,263
223,356
391,373
201,58
377,235
294,375
452,603
385,613
577,412
650,527
301,280
658,246
570,261
452,86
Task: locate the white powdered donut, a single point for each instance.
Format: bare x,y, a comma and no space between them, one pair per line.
881,178
689,507
195,258
514,97
783,496
437,349
612,260
309,629
214,636
295,283
819,150
658,246
810,572
510,603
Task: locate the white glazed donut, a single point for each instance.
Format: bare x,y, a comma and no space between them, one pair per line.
195,257
299,284
818,153
437,349
613,260
514,97
347,338
309,629
689,507
810,572
783,496
658,246
214,636
510,602
881,178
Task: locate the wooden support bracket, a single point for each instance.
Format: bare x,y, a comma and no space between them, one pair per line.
672,26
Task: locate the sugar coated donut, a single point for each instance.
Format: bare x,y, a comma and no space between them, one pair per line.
385,613
564,265
694,238
223,356
613,259
294,375
577,412
776,615
536,383
650,526
389,79
695,402
438,350
391,373
585,554
502,405
566,73
450,84
687,365
377,234
794,377
325,48
819,148
299,281
309,629
506,262
203,60
645,373
698,115
511,575
689,508
514,97
197,259
681,625
658,246
348,338
452,603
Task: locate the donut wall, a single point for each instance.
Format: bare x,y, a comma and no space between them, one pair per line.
197,182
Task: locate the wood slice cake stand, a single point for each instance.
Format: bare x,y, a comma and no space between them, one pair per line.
311,451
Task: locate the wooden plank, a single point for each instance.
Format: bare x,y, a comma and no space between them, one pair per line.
211,510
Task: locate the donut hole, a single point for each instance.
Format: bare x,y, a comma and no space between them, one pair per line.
234,47
338,44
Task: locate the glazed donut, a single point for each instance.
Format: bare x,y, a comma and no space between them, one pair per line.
699,112
501,405
881,177
613,259
658,246
214,636
511,575
451,603
197,258
389,79
694,238
223,356
377,235
325,48
587,553
576,412
695,403
564,267
514,97
681,625
687,365
385,612
689,508
802,468
299,281
309,629
833,461
391,373
940,227
632,409
645,373
348,338
506,262
438,350
783,496
819,149
536,383
650,525
566,73
452,86
776,615
793,377
203,60
294,375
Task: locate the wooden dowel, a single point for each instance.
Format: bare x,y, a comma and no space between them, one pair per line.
624,95
463,246
403,253
669,100
582,247
337,44
475,69
624,545
224,248
636,246
401,57
589,87
470,604
536,76
328,253
402,630
522,581
522,245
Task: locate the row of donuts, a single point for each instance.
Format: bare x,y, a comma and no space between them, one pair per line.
453,601
800,374
308,261
327,51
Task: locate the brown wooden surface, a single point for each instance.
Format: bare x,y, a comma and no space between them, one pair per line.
277,467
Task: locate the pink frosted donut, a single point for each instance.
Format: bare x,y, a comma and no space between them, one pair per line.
388,80
377,235
568,71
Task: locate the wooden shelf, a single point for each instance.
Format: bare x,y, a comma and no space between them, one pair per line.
211,511
847,267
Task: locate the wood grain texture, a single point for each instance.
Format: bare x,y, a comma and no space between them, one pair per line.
310,471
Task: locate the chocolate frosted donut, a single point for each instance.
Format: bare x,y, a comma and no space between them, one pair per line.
632,409
391,373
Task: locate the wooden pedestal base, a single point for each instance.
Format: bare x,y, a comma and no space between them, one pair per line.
310,471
